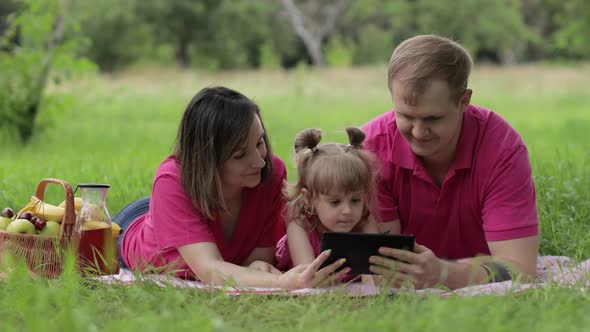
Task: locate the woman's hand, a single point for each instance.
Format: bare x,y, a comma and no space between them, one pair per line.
308,275
264,267
421,268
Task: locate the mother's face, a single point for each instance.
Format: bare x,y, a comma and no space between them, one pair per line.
243,169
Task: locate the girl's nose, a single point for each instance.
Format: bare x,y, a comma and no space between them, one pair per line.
346,208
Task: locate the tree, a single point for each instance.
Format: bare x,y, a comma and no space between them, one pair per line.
180,22
117,35
26,70
573,23
314,22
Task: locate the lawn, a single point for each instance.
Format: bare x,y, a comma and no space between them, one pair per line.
117,128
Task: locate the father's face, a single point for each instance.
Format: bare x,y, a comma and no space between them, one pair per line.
431,126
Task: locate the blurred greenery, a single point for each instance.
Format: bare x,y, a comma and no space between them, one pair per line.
228,34
215,35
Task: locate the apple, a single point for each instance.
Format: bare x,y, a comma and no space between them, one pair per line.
4,222
26,215
39,223
22,226
7,212
52,228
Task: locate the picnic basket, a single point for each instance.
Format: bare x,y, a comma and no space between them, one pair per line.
44,255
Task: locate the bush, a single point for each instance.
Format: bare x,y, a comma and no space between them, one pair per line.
338,52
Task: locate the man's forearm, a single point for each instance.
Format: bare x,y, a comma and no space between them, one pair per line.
461,274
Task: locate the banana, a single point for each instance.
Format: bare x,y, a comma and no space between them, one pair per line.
29,207
93,224
116,229
47,211
77,203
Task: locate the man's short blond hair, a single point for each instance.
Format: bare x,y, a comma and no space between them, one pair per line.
421,58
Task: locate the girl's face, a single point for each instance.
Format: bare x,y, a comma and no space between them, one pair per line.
244,167
340,212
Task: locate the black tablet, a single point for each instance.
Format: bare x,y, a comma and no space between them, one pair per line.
357,248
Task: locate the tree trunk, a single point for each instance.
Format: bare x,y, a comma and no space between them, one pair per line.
311,32
182,53
25,127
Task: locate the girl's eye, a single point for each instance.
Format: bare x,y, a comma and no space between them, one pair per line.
356,200
239,155
259,144
334,203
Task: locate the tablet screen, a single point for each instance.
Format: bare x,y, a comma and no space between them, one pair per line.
357,248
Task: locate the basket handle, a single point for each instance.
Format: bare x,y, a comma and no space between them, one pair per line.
67,224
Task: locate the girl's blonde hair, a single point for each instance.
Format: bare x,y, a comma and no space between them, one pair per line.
330,167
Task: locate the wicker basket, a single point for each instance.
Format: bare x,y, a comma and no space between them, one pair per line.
43,254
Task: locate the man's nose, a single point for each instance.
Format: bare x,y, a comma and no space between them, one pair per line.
419,130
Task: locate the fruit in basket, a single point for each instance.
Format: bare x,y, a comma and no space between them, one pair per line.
22,226
39,223
77,203
47,211
52,228
7,213
4,223
28,207
28,215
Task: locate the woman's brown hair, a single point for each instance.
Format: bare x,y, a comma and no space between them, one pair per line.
214,125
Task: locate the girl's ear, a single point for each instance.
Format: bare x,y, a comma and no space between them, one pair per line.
305,195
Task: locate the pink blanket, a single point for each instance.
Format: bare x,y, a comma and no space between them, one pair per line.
551,270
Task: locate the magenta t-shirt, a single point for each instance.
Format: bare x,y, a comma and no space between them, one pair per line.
172,221
487,195
283,260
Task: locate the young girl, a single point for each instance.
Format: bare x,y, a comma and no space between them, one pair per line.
334,193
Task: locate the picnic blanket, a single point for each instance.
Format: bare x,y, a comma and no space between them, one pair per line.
551,270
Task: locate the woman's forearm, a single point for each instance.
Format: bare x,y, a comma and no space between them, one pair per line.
224,273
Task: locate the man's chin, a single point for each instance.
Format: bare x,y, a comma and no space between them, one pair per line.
421,151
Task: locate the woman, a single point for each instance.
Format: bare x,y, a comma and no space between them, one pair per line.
216,208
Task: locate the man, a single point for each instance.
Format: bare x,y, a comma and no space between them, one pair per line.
455,175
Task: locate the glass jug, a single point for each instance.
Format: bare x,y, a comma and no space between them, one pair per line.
97,249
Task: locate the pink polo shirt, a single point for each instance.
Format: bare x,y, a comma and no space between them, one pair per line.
487,195
172,221
283,260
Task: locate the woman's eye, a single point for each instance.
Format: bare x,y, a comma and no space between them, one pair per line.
259,144
239,155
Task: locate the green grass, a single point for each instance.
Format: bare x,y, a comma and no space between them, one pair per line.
116,129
